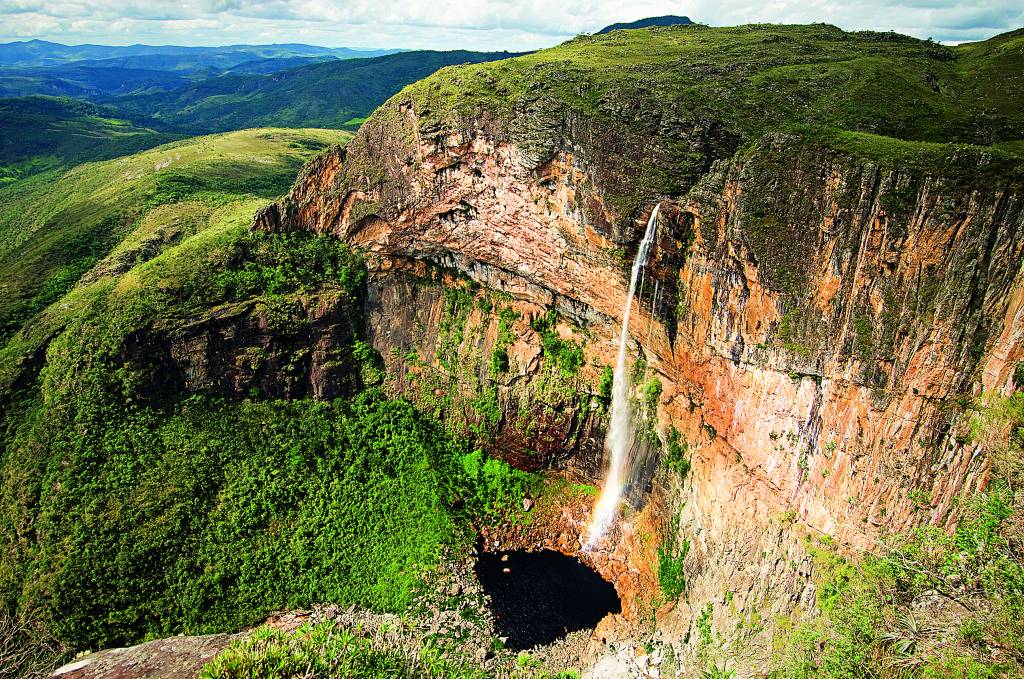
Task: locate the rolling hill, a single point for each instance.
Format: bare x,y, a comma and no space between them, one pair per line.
43,133
331,94
54,228
649,22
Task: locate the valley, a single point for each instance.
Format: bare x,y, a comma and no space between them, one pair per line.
723,324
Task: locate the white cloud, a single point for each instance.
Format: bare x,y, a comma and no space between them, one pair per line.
471,24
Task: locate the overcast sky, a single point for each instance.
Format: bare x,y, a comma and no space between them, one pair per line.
471,24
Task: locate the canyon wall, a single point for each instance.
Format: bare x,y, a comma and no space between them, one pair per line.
818,315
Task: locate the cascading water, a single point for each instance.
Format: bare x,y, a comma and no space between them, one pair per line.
620,431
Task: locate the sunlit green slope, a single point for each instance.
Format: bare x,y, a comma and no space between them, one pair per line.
55,227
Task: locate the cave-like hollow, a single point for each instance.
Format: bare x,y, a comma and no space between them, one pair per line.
539,597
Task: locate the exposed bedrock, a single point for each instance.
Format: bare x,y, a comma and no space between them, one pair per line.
815,320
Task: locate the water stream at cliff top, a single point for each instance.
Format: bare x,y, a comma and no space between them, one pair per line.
620,431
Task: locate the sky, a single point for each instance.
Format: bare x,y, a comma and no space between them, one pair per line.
468,24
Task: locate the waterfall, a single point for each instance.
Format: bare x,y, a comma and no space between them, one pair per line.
654,311
620,431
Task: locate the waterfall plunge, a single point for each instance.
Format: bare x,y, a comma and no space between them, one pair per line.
620,432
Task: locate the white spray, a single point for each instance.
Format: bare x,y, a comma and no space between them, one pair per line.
620,431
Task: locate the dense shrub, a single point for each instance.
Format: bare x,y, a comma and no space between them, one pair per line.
489,486
126,515
210,514
676,453
566,354
604,386
499,361
671,557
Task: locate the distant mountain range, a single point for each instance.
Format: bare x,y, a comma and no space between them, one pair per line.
134,109
667,20
37,53
97,71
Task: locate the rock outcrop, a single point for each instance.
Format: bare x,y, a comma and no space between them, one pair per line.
287,347
815,315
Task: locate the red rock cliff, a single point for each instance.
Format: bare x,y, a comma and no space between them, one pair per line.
816,319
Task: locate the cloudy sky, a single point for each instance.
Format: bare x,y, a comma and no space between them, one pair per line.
472,24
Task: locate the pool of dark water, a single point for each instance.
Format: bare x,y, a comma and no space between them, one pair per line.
539,597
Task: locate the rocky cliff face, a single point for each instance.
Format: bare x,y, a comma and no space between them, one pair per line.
816,313
290,347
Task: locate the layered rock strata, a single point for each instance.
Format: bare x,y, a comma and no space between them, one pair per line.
817,320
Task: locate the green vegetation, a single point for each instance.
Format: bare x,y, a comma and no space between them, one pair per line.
705,628
567,355
607,381
50,133
652,393
676,457
328,650
489,486
212,514
55,229
671,558
456,303
499,361
499,355
932,604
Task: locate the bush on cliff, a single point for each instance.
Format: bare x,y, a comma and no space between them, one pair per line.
931,604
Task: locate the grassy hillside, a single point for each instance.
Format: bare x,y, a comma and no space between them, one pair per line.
752,78
666,102
130,510
54,228
43,133
331,94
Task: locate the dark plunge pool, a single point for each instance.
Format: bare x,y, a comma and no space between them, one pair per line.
538,597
